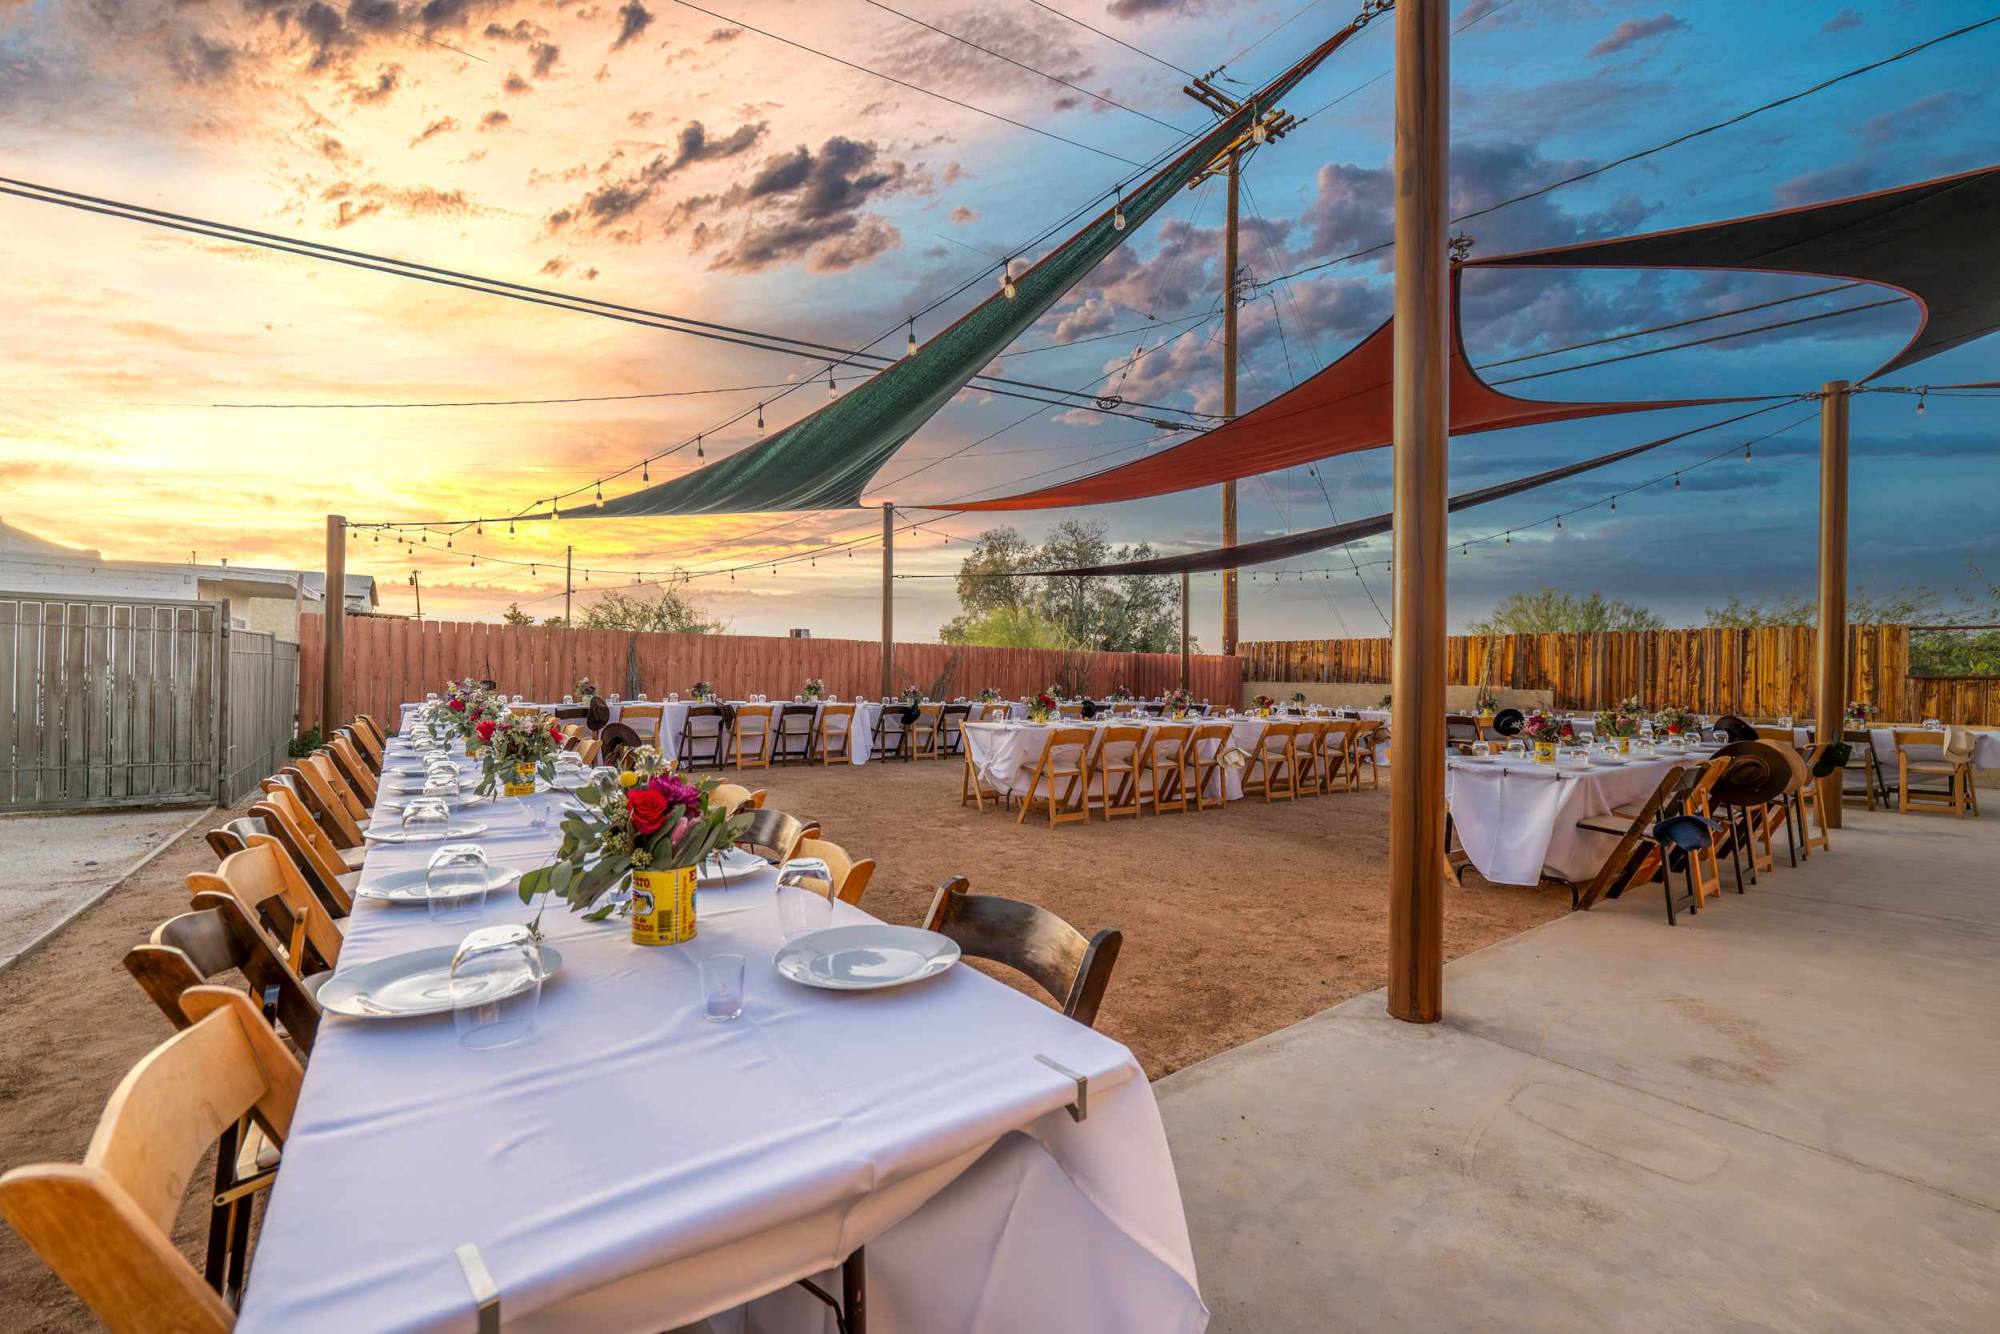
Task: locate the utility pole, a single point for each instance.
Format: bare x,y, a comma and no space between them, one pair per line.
1185,675
1229,264
569,583
418,590
1830,699
888,600
333,639
1421,520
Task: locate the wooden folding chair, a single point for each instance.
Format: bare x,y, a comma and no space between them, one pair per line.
323,865
850,877
645,719
973,787
1274,762
1638,858
753,730
951,728
1861,757
1366,738
195,947
1205,761
359,777
1118,757
1957,794
227,838
1165,769
704,739
836,733
372,738
339,811
1309,755
273,894
994,713
103,1224
927,732
1073,970
892,733
774,835
1065,760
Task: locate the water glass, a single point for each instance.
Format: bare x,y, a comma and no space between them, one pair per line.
568,700
444,786
1481,749
1573,757
431,697
514,699
1517,749
455,883
1648,748
1933,725
496,986
1785,722
805,896
642,697
722,987
673,697
1719,737
426,817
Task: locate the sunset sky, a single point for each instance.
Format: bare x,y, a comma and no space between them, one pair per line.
672,158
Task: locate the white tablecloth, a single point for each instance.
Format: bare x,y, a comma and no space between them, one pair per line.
1517,818
633,1167
1005,754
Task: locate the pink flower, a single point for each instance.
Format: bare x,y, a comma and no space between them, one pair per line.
681,829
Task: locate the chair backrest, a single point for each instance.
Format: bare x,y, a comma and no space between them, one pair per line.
1277,736
229,838
835,718
1063,738
1919,738
1032,940
1461,727
850,877
754,719
1216,732
308,846
1170,741
1127,737
186,951
589,748
774,835
359,778
105,1225
796,719
994,712
1311,733
341,809
369,736
271,890
1784,736
732,797
643,719
571,713
1071,710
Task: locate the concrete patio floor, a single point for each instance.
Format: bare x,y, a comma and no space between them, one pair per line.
1783,1114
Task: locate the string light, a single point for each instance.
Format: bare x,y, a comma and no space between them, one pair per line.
832,389
1007,281
510,527
698,451
1559,523
600,490
911,351
479,530
1677,481
1920,401
1614,504
1746,452
645,470
555,508
1118,212
760,419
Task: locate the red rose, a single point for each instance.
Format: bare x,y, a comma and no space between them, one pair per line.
486,729
1566,730
459,705
555,734
649,810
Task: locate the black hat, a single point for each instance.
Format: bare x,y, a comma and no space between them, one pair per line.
1090,708
1735,728
1759,773
1508,722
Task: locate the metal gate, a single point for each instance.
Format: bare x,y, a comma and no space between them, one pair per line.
118,702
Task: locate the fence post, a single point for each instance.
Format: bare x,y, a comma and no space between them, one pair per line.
223,649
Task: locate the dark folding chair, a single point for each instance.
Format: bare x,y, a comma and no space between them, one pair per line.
1639,857
704,737
774,835
1031,940
892,731
794,733
229,837
951,728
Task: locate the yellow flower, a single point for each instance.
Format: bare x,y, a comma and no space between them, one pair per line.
628,779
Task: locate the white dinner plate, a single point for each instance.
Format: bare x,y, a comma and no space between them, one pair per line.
1611,759
395,801
457,829
407,886
728,865
404,986
866,957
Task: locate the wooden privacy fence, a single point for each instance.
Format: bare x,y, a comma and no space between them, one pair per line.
389,661
1763,671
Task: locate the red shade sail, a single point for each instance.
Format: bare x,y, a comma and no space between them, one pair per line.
1341,410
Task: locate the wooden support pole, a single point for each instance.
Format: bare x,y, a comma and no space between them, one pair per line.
1229,265
1831,658
1185,676
333,643
1422,355
569,584
888,600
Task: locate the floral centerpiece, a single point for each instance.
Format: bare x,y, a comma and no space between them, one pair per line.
814,688
1621,724
467,704
1120,693
1388,701
912,695
1545,733
1297,703
1045,705
1859,714
1673,720
703,692
584,687
991,695
517,747
1263,704
650,825
1180,703
1487,702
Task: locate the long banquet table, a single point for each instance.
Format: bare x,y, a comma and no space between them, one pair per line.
1517,819
634,1167
1005,753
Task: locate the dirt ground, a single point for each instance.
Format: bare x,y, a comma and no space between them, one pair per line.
1236,921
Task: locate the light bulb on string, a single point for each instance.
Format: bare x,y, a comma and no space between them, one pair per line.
911,350
1507,541
698,451
447,544
645,470
1118,212
832,389
480,529
760,419
1746,453
1559,523
378,539
555,508
1614,504
1920,401
427,537
1007,281
600,490
510,527
1677,481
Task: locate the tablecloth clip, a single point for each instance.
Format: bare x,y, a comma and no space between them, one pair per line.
1079,1109
485,1292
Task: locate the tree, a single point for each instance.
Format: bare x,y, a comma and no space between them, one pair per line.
515,616
1011,627
1549,610
667,611
1000,598
1903,608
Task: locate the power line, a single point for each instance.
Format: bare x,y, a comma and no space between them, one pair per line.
1699,342
1071,18
1018,64
1674,142
913,87
1663,328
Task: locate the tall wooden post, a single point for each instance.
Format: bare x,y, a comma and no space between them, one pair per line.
1831,659
888,599
1422,351
569,584
333,642
1186,676
1229,264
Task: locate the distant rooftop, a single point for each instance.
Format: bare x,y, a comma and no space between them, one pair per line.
22,544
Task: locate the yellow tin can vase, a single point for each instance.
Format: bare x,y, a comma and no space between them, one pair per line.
524,782
1545,752
663,907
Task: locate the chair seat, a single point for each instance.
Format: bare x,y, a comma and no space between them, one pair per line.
1931,766
353,856
348,881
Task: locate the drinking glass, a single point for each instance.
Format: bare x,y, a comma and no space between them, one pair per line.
1517,749
722,987
1481,749
425,818
513,699
443,786
642,697
1573,757
1785,722
496,986
805,896
605,776
455,883
1719,737
673,697
1648,748
568,699
1933,725
1646,728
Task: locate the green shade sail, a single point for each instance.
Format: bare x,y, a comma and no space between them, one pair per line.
826,460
